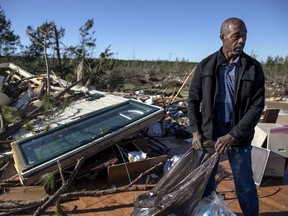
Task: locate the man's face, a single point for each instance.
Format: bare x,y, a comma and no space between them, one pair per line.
234,39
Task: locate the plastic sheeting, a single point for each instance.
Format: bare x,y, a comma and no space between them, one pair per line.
179,191
171,162
213,205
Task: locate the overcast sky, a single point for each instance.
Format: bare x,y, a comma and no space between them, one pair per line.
158,29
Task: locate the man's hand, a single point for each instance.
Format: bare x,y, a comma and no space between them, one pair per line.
197,140
223,143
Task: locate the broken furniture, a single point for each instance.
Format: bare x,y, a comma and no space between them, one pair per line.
83,137
271,143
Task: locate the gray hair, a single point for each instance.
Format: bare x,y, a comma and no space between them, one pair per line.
225,25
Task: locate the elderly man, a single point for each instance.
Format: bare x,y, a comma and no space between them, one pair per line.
226,99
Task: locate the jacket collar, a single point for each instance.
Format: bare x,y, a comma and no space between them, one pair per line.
221,59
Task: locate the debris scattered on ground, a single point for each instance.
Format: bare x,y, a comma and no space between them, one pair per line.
27,110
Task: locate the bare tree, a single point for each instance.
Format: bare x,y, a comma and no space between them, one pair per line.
84,49
57,35
42,36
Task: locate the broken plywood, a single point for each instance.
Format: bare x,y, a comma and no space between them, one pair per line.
130,170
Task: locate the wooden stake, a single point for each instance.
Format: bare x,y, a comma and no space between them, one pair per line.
184,83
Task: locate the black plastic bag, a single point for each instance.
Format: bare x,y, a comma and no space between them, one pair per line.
179,191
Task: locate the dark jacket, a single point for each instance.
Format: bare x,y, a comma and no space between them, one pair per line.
249,98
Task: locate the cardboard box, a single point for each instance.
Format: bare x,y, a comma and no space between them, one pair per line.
126,171
276,165
267,163
273,137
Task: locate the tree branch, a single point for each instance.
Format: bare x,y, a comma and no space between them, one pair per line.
63,188
77,194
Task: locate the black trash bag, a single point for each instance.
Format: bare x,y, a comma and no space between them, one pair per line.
179,191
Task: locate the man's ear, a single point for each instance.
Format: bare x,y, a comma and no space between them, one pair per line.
222,37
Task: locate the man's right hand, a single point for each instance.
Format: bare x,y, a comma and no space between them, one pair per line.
197,140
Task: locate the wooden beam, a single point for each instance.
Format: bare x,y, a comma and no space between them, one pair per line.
21,71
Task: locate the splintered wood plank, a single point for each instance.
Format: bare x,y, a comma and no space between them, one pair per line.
24,193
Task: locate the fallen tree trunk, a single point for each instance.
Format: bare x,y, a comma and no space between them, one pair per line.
26,205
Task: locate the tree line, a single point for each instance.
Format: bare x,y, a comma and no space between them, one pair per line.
47,52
